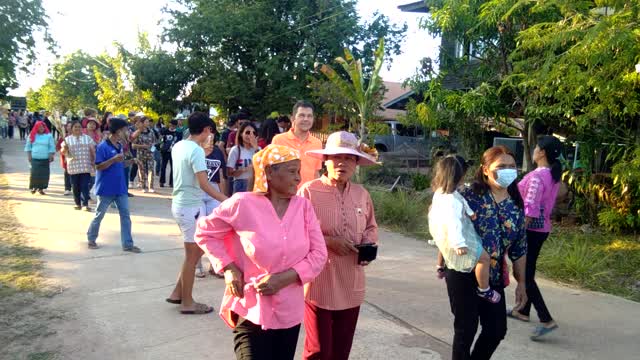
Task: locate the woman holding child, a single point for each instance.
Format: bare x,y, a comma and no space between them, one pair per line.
495,204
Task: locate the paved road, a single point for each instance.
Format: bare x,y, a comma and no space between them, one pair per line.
115,310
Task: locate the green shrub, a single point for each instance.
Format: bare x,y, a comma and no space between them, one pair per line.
420,182
402,211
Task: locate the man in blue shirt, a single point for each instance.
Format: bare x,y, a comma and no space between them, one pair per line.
111,185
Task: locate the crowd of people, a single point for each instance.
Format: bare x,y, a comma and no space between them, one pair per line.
277,214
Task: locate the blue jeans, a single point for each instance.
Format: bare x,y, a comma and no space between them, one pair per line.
240,185
157,157
4,131
122,202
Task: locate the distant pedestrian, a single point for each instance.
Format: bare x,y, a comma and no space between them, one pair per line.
269,244
63,159
41,150
145,146
11,123
539,190
168,138
189,180
240,157
80,152
4,123
111,185
268,130
23,125
301,139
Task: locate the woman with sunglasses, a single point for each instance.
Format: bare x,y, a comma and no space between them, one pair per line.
239,162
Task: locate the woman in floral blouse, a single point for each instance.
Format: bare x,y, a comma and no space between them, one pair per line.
80,152
500,222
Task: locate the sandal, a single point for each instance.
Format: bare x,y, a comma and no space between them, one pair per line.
172,301
542,330
41,192
514,314
200,274
199,309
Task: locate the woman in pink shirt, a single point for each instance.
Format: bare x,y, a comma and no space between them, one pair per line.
539,189
269,244
347,220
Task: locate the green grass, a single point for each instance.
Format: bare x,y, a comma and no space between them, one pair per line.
402,211
599,261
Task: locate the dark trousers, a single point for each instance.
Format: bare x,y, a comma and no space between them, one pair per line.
80,186
329,333
23,133
10,132
253,343
535,240
468,310
134,172
67,181
166,159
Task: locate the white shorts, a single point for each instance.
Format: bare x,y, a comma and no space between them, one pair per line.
187,218
208,203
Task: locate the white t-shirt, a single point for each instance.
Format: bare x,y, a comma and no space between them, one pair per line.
239,158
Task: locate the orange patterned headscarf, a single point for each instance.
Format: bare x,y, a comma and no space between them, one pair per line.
271,155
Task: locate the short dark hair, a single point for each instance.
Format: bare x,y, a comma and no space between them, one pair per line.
301,104
283,118
242,115
198,121
239,139
173,122
116,124
449,171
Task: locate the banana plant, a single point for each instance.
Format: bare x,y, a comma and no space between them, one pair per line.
364,99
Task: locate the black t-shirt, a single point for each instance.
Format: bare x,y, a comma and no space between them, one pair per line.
169,138
216,164
224,135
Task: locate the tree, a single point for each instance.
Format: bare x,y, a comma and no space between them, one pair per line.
486,32
161,73
70,86
19,21
117,92
259,54
360,91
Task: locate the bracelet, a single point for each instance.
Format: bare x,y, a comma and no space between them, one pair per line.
440,268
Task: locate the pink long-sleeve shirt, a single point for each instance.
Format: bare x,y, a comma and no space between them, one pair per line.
539,191
246,230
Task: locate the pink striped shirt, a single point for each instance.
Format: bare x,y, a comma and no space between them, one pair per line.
539,192
350,215
246,230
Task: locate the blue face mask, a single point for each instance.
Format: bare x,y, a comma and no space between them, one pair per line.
505,177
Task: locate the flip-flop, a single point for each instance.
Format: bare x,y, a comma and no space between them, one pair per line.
541,331
510,314
200,309
172,301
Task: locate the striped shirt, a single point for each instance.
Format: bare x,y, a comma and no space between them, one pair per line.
350,215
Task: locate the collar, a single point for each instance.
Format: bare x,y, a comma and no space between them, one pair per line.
328,182
108,141
291,136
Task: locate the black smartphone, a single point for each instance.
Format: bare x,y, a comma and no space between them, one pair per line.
367,252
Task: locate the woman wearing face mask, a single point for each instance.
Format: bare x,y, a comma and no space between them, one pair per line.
500,223
539,189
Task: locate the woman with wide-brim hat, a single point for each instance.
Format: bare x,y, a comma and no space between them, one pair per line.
347,220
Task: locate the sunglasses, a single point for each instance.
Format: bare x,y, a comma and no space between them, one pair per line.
249,132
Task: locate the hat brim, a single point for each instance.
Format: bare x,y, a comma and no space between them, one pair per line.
363,159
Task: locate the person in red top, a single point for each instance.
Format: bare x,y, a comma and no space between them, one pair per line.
300,138
63,159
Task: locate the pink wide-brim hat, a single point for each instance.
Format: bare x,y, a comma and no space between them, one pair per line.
342,142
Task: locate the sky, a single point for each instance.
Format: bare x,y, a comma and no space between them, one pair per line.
121,20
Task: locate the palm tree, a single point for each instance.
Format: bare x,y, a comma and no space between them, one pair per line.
364,99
